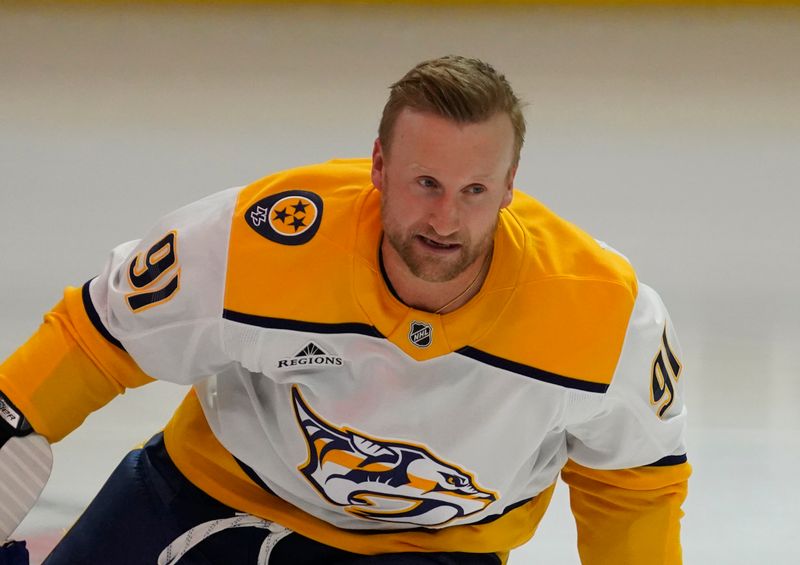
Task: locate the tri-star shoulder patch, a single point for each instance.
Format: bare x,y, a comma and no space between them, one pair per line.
291,217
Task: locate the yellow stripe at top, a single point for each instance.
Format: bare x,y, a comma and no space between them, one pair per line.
456,3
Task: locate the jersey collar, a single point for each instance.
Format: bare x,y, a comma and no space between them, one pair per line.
448,332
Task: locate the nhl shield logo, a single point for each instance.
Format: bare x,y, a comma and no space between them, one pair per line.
420,334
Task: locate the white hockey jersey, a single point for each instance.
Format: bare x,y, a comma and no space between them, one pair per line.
324,403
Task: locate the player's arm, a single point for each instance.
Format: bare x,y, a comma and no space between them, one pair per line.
48,386
66,370
153,312
629,516
628,471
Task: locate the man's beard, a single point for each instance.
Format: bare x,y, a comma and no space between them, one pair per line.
429,267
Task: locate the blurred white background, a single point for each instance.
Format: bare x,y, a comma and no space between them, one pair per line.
671,133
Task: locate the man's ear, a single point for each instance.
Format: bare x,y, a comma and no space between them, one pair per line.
377,164
509,194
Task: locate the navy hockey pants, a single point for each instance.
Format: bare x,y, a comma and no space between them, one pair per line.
148,513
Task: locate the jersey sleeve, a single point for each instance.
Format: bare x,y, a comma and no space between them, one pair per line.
627,468
162,297
153,313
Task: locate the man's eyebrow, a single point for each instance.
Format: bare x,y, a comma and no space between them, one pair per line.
424,170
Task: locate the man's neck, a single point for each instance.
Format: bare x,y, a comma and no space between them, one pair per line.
436,297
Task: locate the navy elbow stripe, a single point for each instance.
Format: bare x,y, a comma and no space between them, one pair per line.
669,461
299,326
531,372
94,317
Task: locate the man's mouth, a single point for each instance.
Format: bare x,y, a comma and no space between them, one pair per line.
432,243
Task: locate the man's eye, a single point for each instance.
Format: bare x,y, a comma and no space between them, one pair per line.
427,182
476,189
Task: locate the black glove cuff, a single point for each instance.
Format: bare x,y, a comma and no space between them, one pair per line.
12,422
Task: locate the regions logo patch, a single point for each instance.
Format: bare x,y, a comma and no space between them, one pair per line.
310,356
383,479
290,218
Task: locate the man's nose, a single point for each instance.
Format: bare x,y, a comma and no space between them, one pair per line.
444,215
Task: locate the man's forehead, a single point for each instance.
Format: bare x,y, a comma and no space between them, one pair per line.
425,143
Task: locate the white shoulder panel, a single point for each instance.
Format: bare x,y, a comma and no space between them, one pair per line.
162,296
641,418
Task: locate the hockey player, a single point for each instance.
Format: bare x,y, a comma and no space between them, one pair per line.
392,360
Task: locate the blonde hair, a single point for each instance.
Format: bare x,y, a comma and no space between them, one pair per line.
454,87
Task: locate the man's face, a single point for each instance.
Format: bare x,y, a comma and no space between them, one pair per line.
442,186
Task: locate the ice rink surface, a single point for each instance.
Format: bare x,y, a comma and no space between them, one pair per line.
672,134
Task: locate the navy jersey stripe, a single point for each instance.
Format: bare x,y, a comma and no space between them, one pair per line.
253,476
297,325
531,372
94,317
505,511
669,460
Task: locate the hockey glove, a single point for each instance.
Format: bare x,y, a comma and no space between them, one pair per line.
25,465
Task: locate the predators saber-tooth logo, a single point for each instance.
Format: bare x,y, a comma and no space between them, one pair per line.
384,480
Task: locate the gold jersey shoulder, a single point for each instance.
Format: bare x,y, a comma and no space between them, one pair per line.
571,300
292,241
558,248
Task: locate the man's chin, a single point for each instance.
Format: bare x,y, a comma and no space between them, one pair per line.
435,271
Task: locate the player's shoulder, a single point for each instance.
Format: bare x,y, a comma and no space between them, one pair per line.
571,302
290,207
559,252
290,231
